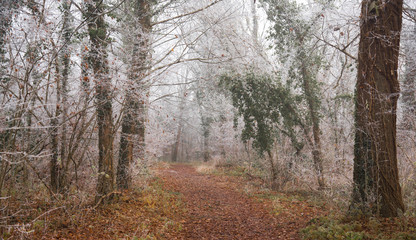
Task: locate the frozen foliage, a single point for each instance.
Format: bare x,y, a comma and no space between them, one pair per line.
288,71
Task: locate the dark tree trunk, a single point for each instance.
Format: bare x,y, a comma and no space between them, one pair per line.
7,9
54,165
134,115
98,37
176,145
376,178
126,150
85,95
84,98
206,122
273,170
66,57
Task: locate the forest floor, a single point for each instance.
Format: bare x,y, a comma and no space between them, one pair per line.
183,201
219,207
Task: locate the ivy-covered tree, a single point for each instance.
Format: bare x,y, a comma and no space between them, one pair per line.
97,29
7,9
294,46
267,109
132,137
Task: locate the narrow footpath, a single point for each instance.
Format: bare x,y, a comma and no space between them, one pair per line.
218,208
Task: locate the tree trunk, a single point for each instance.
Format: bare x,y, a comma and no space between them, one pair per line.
206,132
133,120
255,23
180,127
273,171
126,148
65,61
84,99
98,36
55,164
7,9
313,106
176,145
376,177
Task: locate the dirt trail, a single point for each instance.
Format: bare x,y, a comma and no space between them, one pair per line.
218,209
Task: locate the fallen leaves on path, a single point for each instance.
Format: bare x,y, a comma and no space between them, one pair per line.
184,204
218,208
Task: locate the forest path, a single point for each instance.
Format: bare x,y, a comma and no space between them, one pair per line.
218,208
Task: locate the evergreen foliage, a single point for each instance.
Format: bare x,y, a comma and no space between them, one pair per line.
293,44
296,50
267,108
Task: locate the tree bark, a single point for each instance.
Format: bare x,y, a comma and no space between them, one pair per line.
55,164
205,125
98,36
176,145
255,22
7,9
273,171
313,106
133,120
376,178
66,58
180,127
206,122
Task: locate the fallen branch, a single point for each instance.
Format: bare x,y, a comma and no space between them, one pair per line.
104,197
47,213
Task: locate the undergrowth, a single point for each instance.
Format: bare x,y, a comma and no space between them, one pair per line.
148,212
331,228
321,228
